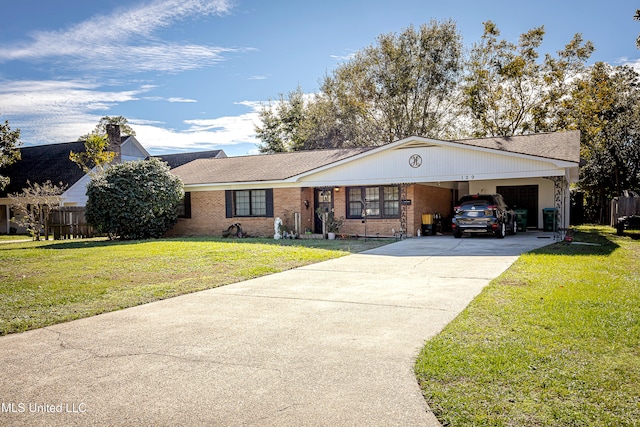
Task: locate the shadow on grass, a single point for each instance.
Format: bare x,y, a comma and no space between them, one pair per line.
586,241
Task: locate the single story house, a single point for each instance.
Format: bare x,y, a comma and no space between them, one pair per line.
379,190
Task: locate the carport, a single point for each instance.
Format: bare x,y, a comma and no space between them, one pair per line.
534,171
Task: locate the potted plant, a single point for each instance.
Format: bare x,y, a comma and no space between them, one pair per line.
331,223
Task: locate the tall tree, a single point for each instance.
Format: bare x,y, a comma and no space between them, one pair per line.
605,107
9,151
96,144
405,84
637,18
35,204
96,153
101,127
282,128
509,91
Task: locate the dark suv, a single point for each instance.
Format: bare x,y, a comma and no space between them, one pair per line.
483,213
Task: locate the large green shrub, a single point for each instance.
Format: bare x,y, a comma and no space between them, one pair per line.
134,200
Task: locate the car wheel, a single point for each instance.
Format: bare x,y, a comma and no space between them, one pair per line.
501,231
457,233
514,228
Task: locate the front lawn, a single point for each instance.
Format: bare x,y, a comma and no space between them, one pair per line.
554,341
48,282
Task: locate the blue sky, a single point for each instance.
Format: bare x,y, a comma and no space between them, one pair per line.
190,74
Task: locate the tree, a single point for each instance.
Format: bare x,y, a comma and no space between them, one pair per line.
35,204
637,18
508,91
96,153
404,85
9,151
96,144
605,107
134,200
282,128
101,127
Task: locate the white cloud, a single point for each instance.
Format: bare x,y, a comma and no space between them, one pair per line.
633,63
202,134
58,111
181,100
103,43
346,57
60,97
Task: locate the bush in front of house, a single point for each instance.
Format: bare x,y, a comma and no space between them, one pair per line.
134,200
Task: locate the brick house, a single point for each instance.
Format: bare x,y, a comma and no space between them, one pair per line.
378,190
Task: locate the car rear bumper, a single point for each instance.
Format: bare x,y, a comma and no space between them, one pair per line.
484,227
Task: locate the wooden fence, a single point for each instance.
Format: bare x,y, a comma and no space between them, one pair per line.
626,205
68,222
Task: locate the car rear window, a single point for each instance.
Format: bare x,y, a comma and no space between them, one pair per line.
476,203
475,200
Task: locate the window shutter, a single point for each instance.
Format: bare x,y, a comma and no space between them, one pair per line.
269,197
228,197
187,204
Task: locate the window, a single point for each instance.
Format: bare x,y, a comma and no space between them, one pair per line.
380,202
184,208
249,203
391,202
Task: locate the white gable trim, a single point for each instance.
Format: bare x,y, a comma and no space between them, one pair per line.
131,149
421,143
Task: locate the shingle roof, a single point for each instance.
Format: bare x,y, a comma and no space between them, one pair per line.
556,145
276,167
266,167
179,159
41,163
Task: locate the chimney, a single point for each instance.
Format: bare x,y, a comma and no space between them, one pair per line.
113,135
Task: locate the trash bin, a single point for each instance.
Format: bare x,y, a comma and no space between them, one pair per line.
521,219
549,219
427,224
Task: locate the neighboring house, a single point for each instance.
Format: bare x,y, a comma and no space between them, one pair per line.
179,159
51,162
378,190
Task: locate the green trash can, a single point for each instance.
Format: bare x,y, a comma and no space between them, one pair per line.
521,219
549,219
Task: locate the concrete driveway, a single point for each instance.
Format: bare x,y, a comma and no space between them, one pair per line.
330,344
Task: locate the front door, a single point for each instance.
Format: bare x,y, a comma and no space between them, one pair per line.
323,200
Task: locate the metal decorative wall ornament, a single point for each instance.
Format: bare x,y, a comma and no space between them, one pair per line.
559,186
415,161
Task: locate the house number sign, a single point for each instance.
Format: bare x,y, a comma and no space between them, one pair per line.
415,161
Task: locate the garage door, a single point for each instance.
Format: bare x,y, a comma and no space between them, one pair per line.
522,197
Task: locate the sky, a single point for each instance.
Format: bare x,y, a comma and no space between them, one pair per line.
191,75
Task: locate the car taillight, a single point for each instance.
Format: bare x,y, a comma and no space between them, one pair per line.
489,210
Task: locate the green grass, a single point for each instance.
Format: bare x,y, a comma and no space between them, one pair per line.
11,237
554,341
48,282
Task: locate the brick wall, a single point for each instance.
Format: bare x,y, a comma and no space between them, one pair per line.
208,215
430,200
